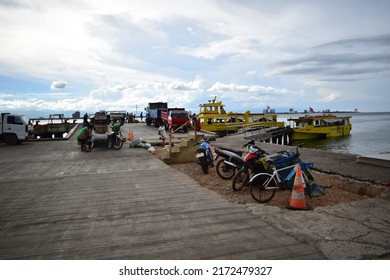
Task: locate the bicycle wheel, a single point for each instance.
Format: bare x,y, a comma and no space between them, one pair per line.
224,170
240,180
262,187
117,143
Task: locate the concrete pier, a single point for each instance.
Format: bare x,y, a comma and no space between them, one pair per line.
57,202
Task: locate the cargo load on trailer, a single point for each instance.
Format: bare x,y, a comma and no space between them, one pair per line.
57,125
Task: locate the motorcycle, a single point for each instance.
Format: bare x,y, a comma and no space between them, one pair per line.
204,155
232,161
252,164
113,138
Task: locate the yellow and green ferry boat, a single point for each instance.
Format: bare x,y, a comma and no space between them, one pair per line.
214,118
320,126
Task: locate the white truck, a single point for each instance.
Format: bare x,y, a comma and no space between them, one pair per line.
14,129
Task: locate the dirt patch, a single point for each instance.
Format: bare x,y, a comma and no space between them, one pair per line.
337,190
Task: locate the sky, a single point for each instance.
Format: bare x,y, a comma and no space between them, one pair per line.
92,55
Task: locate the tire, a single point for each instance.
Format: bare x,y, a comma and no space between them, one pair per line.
258,187
240,180
205,167
225,171
11,140
117,143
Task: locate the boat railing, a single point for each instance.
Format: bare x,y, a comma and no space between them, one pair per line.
252,129
245,128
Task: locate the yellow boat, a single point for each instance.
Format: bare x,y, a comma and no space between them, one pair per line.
213,117
320,126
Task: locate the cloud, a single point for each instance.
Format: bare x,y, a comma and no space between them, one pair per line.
342,60
5,95
221,87
191,31
329,98
116,54
58,85
235,46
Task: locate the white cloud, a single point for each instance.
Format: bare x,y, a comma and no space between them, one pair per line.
233,46
191,31
58,85
329,97
221,87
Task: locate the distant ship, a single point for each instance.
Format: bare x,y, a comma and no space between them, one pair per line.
213,117
320,126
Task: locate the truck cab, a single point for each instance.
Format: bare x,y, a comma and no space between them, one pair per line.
14,129
175,118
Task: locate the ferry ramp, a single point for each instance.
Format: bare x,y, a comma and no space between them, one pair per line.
57,202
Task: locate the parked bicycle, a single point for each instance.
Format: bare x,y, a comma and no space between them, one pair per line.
281,159
263,186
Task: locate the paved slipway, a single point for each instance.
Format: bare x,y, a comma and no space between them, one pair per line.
59,203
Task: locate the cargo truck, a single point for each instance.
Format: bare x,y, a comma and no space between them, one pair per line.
174,118
14,129
153,113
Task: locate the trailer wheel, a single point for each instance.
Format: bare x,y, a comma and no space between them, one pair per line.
11,140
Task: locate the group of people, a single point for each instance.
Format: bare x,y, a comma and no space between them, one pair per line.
85,134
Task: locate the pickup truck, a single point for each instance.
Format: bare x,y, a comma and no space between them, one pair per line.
14,129
175,117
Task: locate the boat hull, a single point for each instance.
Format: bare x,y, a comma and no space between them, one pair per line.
320,132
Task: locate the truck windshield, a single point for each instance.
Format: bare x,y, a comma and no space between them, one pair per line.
14,120
26,119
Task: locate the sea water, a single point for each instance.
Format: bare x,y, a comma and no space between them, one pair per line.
370,135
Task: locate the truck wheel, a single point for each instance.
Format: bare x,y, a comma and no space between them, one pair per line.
11,139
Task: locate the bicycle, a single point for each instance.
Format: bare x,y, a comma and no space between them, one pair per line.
291,157
263,186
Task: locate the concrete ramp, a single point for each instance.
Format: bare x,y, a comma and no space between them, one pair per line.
379,160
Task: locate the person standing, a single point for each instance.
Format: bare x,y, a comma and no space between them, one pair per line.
85,120
161,132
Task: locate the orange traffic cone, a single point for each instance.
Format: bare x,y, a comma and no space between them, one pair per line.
130,136
298,201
